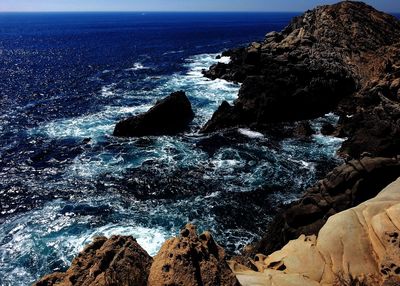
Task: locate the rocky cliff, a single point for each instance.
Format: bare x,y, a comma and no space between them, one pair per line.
343,58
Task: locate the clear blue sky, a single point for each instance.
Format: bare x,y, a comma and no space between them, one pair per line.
179,5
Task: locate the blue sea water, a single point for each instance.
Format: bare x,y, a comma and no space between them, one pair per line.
67,78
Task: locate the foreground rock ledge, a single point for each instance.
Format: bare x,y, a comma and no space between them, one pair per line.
359,246
168,116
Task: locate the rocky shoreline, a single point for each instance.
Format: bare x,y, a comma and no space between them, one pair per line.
342,58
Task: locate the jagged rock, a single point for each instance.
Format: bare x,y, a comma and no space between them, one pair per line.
168,116
343,58
119,260
359,246
191,260
345,187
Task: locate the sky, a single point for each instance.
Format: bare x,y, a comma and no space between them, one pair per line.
179,5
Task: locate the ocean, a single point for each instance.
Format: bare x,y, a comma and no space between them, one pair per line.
65,81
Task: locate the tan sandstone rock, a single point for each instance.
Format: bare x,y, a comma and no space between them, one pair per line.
359,245
191,260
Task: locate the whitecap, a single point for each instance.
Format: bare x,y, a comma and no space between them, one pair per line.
136,67
249,133
107,91
173,52
224,60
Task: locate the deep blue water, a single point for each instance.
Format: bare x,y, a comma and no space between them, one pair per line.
65,78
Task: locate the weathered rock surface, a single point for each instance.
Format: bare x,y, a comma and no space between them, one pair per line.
168,116
359,246
119,260
346,186
191,260
343,58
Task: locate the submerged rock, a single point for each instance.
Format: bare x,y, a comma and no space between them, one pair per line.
168,116
359,246
119,260
346,186
191,260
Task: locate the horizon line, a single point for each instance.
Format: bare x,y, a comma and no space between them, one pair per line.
158,11
150,11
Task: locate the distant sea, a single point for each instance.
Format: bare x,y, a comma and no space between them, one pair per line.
67,78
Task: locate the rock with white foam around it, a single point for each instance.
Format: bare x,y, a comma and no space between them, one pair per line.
119,260
168,116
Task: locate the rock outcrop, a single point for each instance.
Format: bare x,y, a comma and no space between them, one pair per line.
119,260
359,246
168,116
191,260
346,186
343,58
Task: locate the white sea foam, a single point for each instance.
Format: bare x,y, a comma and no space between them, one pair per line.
150,239
95,125
225,60
137,66
46,236
107,90
249,133
173,52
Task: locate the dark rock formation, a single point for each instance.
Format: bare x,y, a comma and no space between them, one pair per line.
346,186
191,260
343,58
167,117
119,260
327,129
374,125
303,129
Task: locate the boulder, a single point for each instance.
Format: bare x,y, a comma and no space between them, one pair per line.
168,116
191,260
119,260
